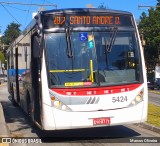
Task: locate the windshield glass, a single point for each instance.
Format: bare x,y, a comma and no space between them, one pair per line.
98,59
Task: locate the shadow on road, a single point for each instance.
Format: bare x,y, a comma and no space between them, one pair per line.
15,115
104,134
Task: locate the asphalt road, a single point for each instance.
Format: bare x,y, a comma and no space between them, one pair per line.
154,98
20,126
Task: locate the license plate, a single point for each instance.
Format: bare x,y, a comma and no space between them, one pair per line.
101,121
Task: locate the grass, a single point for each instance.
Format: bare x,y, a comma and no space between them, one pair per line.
153,115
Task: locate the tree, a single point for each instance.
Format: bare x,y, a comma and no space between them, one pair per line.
11,33
2,61
150,26
2,58
102,6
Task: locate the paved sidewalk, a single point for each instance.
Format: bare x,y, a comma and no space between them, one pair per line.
3,128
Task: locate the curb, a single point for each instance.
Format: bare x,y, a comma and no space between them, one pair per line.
152,91
3,127
149,127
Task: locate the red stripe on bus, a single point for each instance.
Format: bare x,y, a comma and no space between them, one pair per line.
96,91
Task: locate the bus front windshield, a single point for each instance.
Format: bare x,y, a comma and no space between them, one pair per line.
92,58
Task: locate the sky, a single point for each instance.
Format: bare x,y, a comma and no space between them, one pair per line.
22,14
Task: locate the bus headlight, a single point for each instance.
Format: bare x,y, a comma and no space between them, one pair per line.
58,104
133,102
137,99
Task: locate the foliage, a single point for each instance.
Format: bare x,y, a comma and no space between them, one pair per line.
2,58
149,26
158,3
11,33
102,6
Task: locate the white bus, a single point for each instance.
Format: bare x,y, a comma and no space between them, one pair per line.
79,68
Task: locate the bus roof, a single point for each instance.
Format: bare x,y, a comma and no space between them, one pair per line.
85,10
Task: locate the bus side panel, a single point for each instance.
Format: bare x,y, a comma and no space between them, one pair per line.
14,70
145,105
145,98
19,78
48,119
24,75
9,69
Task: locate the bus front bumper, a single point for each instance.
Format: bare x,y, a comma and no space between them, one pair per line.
54,119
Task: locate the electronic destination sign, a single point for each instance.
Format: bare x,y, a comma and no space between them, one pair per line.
87,19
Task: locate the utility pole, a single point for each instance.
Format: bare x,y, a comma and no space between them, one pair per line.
143,42
140,6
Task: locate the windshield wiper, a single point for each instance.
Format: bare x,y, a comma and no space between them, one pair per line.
113,36
69,46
